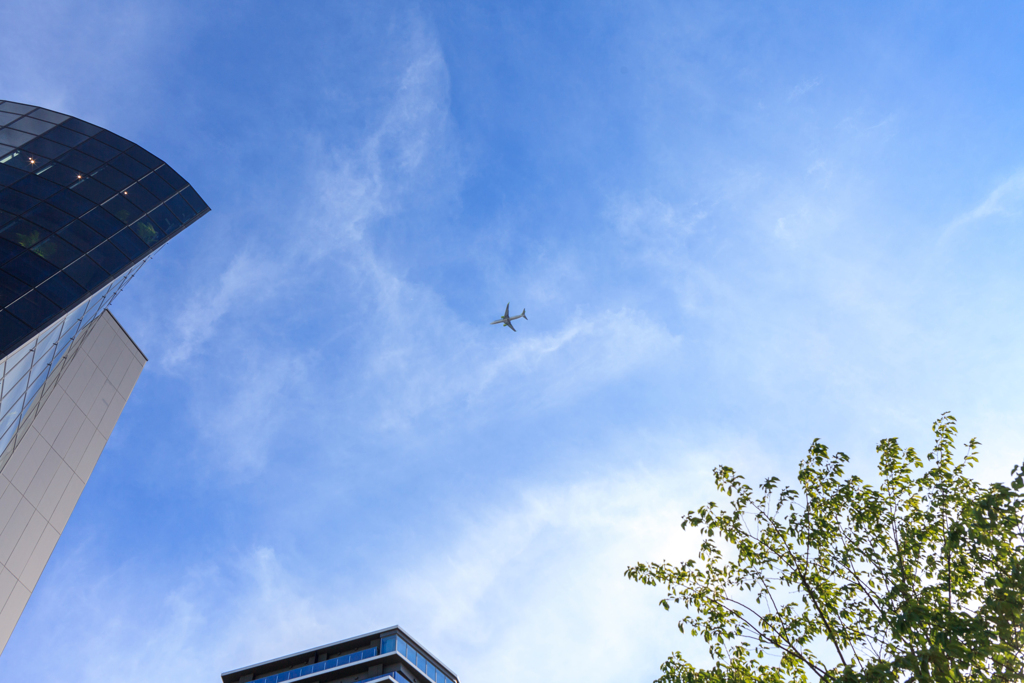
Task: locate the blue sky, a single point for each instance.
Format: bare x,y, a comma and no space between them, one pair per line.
734,229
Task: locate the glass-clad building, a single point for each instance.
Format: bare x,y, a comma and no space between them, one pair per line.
81,209
386,656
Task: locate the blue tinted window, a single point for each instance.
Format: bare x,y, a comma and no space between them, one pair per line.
56,251
11,331
319,666
70,202
143,157
31,125
331,663
6,118
8,251
421,662
80,162
115,141
145,229
30,269
34,309
10,288
431,671
15,107
44,147
129,166
81,126
129,244
23,160
166,221
93,190
65,136
62,290
122,209
195,200
97,149
14,138
155,184
85,272
387,644
180,208
23,233
112,178
102,222
172,178
109,258
35,186
9,174
355,656
141,197
80,235
60,174
50,217
15,201
47,115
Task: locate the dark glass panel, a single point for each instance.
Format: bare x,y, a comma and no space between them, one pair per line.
95,148
128,243
93,190
115,141
34,309
46,148
123,209
145,229
129,166
35,186
9,174
195,200
111,177
102,222
70,202
10,288
15,108
172,178
60,174
109,258
8,251
82,127
166,221
56,251
143,157
180,208
79,234
12,331
32,126
62,290
16,202
24,161
85,272
30,269
50,217
78,161
155,184
14,138
23,233
141,197
47,115
65,136
6,118
5,218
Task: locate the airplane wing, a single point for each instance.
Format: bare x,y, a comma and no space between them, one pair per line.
506,308
510,325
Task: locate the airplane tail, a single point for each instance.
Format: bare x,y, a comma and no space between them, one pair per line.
524,315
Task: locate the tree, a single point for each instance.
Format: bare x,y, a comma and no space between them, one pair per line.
920,578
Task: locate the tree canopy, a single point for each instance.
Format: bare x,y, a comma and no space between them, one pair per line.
918,578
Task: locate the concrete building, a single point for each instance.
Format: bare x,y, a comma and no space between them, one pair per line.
81,210
389,656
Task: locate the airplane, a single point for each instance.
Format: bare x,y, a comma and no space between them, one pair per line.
507,320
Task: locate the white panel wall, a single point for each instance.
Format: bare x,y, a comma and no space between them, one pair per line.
58,445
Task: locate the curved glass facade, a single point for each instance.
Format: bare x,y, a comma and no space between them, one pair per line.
79,207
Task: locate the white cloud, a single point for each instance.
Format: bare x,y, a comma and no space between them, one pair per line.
1007,199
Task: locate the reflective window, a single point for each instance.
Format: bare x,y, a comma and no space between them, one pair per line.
50,217
158,186
129,244
93,190
60,174
143,157
194,200
23,233
33,309
46,148
14,138
122,209
97,149
24,161
109,258
56,251
82,127
6,118
129,166
141,197
165,221
102,222
15,108
172,178
85,272
112,178
9,174
145,229
28,124
8,251
10,288
30,269
70,202
62,290
180,208
15,201
65,136
80,235
114,140
35,186
47,115
82,163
